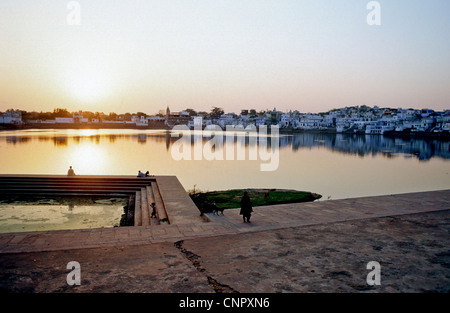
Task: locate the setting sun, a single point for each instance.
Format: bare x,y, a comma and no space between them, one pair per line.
87,84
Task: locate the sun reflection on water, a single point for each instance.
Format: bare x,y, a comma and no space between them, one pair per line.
87,158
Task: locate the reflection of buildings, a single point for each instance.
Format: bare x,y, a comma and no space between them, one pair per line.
142,138
361,145
60,141
17,139
167,138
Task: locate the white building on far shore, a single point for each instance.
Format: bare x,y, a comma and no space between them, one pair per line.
64,120
11,117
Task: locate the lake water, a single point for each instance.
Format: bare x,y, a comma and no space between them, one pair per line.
54,214
335,166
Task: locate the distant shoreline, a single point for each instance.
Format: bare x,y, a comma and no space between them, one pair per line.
78,126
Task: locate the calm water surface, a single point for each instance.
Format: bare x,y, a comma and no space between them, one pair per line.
23,217
335,166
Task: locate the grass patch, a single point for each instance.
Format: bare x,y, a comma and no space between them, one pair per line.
230,199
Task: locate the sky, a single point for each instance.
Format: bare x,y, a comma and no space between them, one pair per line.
144,55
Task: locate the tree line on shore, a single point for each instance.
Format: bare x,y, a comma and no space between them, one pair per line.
215,112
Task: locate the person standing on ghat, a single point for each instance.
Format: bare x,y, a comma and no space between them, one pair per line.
246,207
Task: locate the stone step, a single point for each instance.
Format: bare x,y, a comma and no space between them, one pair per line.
75,182
85,178
144,208
151,199
131,208
70,182
56,189
55,185
160,209
137,210
46,193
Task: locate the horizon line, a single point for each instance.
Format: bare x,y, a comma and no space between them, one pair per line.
257,111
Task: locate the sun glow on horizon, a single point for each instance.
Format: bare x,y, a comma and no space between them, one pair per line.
87,84
140,56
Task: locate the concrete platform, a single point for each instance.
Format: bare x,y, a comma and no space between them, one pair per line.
187,224
320,247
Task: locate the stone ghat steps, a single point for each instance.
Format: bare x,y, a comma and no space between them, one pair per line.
31,177
143,208
74,180
62,184
77,185
30,189
142,192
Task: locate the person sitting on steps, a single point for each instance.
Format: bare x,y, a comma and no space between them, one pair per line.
70,172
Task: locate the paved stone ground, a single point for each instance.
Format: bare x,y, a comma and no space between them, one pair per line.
413,251
313,247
